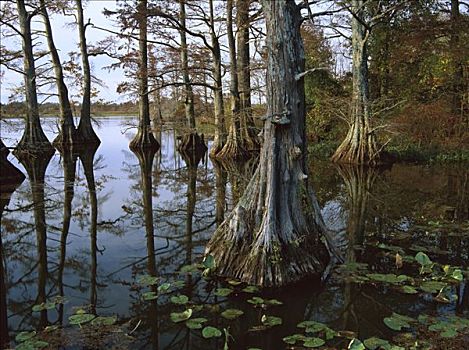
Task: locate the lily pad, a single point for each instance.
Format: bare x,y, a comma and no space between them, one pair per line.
81,318
195,323
181,316
211,332
409,290
423,259
432,286
209,262
147,280
231,314
149,296
23,336
180,299
356,344
292,339
104,321
396,322
189,268
223,292
313,342
271,321
43,306
251,289
376,343
164,288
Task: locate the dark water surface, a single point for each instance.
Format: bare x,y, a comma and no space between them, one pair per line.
133,215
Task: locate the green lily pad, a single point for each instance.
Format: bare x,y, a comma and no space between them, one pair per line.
181,316
32,344
376,343
234,282
180,299
147,280
271,321
457,275
81,318
23,336
396,322
256,301
189,268
164,288
179,284
223,292
292,339
43,306
195,323
209,262
149,296
409,290
423,259
211,332
356,344
251,289
231,314
312,342
104,321
432,286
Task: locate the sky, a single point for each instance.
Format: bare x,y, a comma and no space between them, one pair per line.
66,40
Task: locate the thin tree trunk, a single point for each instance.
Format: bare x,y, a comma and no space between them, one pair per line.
234,147
359,146
188,93
219,108
272,236
33,136
144,137
248,130
458,70
67,130
85,130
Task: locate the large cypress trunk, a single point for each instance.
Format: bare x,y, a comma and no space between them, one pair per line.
144,137
85,132
67,133
33,136
272,236
359,145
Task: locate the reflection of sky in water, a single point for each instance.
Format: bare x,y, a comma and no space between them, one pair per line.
119,190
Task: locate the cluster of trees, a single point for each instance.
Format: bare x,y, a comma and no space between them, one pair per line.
185,48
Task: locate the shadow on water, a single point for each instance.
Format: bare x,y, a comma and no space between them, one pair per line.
113,216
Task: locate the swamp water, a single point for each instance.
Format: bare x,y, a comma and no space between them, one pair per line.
86,235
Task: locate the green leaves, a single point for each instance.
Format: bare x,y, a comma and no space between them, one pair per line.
258,301
396,322
432,286
80,318
377,343
425,263
180,299
356,344
104,321
211,332
271,321
181,316
147,280
149,296
231,314
312,342
23,336
195,323
223,292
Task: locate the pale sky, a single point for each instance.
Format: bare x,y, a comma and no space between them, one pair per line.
66,40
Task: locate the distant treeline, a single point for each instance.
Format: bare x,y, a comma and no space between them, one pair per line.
18,109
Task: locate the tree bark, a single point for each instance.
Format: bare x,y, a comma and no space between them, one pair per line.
144,137
359,146
234,147
248,130
85,130
272,236
33,136
219,108
67,132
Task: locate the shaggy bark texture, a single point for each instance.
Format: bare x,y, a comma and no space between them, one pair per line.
359,146
273,235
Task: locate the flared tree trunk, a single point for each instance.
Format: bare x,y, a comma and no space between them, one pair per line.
85,132
33,136
219,108
272,236
67,132
359,146
144,137
234,147
248,130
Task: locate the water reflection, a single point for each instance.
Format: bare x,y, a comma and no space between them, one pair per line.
87,229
